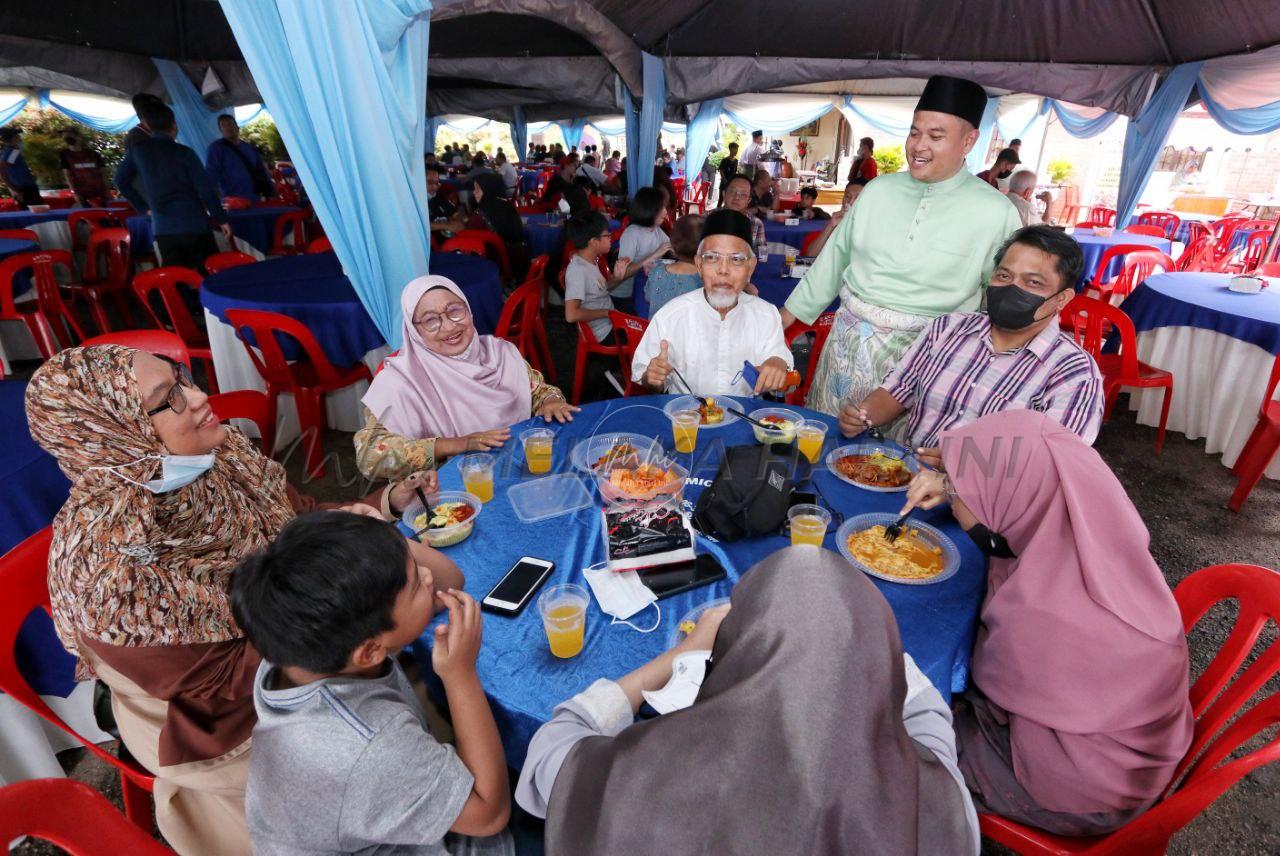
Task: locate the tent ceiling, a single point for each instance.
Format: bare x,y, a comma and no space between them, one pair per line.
1093,52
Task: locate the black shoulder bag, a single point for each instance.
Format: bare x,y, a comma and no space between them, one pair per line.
751,492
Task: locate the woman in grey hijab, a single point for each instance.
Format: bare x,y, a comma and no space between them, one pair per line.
812,733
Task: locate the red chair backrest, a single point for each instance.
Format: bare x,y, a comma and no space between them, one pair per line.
496,248
42,265
106,258
538,268
19,235
470,246
320,245
1166,220
219,262
251,404
268,357
1092,321
289,223
1222,231
94,218
627,332
1091,224
1109,255
1102,214
1198,254
1137,267
1144,229
160,342
1254,249
73,816
24,572
164,282
519,315
808,242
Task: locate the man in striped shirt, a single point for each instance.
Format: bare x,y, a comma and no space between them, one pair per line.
1013,357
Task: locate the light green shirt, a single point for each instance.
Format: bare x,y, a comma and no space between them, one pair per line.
923,249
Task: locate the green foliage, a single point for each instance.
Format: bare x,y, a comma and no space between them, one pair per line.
890,159
1061,171
715,157
42,141
488,139
263,134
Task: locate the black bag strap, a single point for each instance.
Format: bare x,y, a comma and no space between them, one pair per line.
259,180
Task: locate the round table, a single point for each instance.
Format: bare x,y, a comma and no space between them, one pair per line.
313,289
524,682
255,226
545,234
768,278
1094,246
781,233
1220,347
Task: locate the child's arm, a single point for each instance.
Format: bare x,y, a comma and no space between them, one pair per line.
453,657
573,312
621,272
445,574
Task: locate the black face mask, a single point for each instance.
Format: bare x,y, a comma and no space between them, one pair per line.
1004,173
1012,308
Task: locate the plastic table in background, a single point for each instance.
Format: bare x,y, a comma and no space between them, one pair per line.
1094,246
254,226
1220,347
768,278
524,681
780,233
545,234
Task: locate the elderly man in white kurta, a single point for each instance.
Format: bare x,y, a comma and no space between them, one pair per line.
708,334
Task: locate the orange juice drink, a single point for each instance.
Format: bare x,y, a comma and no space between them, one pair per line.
538,444
808,524
810,437
477,476
684,426
564,617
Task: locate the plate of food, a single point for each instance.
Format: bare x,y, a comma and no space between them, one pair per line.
685,625
783,424
601,451
712,415
920,556
448,519
874,466
634,485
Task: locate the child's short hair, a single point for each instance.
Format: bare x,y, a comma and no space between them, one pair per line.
686,234
809,191
644,209
585,226
326,584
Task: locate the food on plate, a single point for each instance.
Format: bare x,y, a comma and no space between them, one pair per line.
874,470
780,430
907,558
643,480
617,452
444,516
710,413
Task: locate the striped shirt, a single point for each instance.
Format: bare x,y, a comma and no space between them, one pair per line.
952,376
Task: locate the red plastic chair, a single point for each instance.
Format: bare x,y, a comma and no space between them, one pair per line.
1091,224
495,248
19,235
307,379
1222,231
289,224
219,262
1109,255
1143,229
163,283
250,404
821,329
627,332
159,342
1166,220
1103,215
469,246
521,323
319,245
1247,258
93,218
1261,446
1092,321
1198,253
1205,773
589,346
107,268
73,816
41,315
1137,267
808,242
701,192
24,571
9,204
1268,269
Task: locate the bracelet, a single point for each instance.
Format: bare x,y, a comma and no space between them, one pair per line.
385,503
948,487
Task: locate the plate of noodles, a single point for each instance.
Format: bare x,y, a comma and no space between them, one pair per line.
874,466
921,556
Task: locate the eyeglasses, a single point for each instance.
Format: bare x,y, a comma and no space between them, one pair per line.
432,322
737,194
734,259
175,399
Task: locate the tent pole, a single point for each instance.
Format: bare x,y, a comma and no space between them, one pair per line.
1044,138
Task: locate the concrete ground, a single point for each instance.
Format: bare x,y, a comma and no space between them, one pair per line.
1181,495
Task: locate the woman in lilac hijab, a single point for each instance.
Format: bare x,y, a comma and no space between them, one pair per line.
448,390
1078,713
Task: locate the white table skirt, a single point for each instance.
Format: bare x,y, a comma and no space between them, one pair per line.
236,371
29,745
1218,383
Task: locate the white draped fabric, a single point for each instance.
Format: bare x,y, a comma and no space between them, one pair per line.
29,745
776,114
1244,80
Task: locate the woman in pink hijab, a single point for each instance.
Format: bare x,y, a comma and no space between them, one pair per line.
448,390
1078,713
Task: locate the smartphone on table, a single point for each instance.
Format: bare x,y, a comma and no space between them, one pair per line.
666,580
518,586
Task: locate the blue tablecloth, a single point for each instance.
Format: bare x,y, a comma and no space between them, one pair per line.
253,225
13,246
1094,246
1203,300
774,287
34,490
779,233
1240,237
546,236
524,682
27,219
529,180
313,289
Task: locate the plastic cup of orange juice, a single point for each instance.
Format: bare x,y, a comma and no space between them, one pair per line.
538,443
684,427
810,437
564,617
477,476
808,524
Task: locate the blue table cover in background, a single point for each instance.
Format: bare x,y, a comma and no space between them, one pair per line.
1203,300
13,246
1094,246
1240,237
545,235
313,289
255,226
34,490
774,287
528,180
780,233
524,681
27,219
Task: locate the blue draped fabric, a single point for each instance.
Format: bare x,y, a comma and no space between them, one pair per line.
430,126
631,120
107,124
197,124
572,132
1009,133
640,171
887,124
519,134
1079,127
347,83
10,109
702,130
1146,135
1262,119
978,154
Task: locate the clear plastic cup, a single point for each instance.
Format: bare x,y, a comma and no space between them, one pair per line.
808,524
810,437
538,443
790,255
477,476
564,617
684,427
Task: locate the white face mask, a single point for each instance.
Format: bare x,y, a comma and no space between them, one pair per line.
621,594
176,471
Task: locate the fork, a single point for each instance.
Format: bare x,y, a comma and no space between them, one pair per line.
893,531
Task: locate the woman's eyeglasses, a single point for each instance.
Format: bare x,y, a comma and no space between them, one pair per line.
734,259
432,321
175,399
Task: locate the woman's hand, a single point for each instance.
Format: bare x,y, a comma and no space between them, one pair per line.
927,490
483,441
457,643
703,637
403,491
557,409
